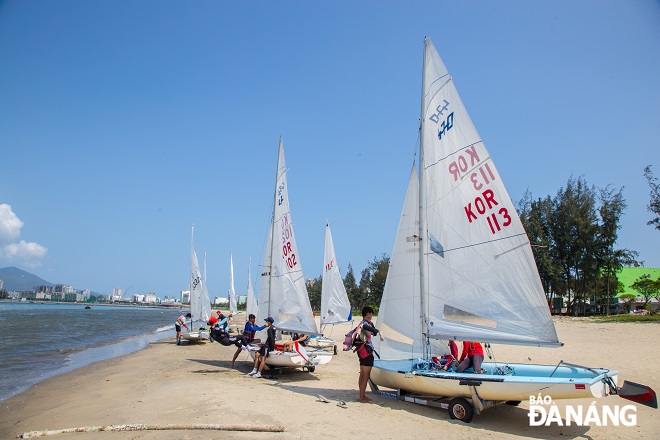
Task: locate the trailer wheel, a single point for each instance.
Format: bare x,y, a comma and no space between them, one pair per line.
461,409
513,402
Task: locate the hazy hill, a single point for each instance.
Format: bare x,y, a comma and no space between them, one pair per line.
20,280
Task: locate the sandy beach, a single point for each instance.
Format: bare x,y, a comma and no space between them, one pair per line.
192,384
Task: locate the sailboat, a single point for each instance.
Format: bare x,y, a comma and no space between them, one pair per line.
462,269
233,307
335,306
200,304
251,305
282,293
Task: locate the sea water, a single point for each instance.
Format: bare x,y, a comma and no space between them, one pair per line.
42,340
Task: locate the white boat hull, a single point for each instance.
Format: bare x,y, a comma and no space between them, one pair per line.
196,336
285,359
566,382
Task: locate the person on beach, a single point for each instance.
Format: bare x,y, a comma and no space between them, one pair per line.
262,354
365,350
249,333
219,333
180,321
472,356
300,338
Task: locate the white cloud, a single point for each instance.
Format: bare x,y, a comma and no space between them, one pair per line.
13,251
10,225
28,254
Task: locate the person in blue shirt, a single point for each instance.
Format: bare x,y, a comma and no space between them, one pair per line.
249,333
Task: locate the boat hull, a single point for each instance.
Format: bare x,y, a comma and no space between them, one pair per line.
196,336
285,359
563,382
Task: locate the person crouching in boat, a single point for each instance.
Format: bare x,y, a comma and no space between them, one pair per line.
180,321
472,356
262,354
249,333
452,357
300,338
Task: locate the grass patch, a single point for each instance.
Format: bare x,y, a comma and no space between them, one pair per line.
627,318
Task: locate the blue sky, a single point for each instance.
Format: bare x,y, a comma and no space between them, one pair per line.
123,122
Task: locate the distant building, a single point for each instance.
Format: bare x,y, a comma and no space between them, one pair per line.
185,296
221,301
138,298
1,284
117,293
43,296
150,298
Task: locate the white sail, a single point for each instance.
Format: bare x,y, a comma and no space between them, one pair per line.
480,280
233,308
200,305
288,301
399,312
251,306
335,307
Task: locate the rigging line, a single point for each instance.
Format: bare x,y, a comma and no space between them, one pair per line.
451,154
479,244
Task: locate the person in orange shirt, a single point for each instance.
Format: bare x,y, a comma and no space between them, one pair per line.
472,356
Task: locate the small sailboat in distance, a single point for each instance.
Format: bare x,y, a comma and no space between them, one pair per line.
462,269
335,306
200,304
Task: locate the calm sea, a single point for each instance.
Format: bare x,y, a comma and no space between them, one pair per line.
43,340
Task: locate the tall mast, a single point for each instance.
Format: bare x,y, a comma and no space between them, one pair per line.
190,292
422,220
272,231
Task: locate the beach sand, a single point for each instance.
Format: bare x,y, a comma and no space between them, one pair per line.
188,384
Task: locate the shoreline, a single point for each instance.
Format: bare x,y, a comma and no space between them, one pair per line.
165,383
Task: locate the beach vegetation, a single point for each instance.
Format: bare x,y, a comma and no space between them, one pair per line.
573,236
648,289
654,202
627,318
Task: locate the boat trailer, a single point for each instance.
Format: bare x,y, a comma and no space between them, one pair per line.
459,408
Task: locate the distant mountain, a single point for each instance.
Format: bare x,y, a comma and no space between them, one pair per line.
20,280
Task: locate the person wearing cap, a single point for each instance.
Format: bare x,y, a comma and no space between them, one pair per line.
249,332
262,354
180,321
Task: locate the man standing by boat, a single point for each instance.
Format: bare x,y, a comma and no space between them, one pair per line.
262,354
180,321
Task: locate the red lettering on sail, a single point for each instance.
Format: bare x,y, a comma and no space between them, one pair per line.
482,203
460,165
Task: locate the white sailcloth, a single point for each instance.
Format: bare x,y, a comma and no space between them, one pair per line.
335,307
233,307
474,277
200,304
287,299
480,281
251,306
